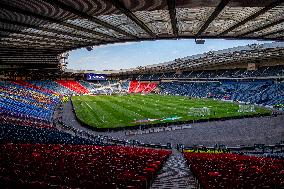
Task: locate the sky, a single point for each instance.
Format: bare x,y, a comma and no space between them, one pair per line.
132,54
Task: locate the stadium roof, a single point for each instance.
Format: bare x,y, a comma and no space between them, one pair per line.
253,53
50,27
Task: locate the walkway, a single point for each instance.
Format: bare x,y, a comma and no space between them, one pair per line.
175,174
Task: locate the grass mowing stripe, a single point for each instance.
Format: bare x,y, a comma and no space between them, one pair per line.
118,118
118,111
106,113
177,107
166,112
154,105
169,103
122,103
93,118
149,109
204,102
144,111
84,115
103,112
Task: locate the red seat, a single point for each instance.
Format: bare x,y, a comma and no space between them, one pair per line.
235,171
79,166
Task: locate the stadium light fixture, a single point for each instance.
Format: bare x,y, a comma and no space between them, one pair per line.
89,48
199,41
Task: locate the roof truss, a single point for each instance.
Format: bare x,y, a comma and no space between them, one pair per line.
263,27
172,11
59,32
253,16
86,16
57,26
53,20
120,6
212,17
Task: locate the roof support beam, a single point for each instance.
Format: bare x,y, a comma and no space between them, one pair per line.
52,20
7,50
262,27
46,38
172,12
212,17
36,41
30,61
81,14
30,45
280,38
132,16
42,47
272,33
253,16
48,30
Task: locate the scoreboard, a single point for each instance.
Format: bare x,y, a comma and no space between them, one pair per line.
93,77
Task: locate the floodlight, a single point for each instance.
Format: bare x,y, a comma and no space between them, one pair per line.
199,41
89,48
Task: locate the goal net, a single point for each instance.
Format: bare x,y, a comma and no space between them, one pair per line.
199,111
246,108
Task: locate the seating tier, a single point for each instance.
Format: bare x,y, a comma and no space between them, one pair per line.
78,166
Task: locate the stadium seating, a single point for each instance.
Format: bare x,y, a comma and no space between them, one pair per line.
260,92
132,86
141,87
124,85
17,119
272,71
26,105
29,85
103,87
53,86
236,171
74,86
34,154
90,86
73,166
149,88
10,133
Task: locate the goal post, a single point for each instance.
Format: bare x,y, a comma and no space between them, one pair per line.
201,112
243,108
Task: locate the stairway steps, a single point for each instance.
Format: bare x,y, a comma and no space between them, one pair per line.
175,174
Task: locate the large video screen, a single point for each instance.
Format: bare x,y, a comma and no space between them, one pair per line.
93,76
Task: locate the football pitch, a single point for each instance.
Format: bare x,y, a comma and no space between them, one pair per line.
106,111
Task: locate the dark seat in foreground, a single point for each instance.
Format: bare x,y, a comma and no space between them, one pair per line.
78,166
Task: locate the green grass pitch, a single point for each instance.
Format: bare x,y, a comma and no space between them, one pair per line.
106,111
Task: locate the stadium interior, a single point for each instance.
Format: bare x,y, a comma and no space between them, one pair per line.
211,120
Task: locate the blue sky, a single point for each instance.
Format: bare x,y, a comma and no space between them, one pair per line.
133,54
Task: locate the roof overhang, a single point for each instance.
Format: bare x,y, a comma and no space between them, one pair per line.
57,26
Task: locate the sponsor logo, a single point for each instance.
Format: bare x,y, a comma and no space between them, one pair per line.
92,76
171,118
